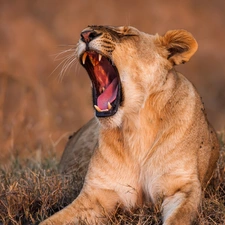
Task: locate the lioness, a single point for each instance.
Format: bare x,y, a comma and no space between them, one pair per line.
155,143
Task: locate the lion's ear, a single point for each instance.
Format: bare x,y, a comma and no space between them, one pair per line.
180,45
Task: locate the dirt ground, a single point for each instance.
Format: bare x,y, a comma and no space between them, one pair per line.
39,108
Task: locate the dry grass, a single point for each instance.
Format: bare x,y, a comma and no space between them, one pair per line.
30,192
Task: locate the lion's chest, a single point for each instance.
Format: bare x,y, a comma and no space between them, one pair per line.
157,172
149,168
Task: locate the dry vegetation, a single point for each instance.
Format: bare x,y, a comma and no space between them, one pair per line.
32,191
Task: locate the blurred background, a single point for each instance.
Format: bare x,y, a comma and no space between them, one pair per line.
39,109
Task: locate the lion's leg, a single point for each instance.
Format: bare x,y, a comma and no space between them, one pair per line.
92,207
181,208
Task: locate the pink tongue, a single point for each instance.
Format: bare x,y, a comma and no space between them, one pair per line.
109,95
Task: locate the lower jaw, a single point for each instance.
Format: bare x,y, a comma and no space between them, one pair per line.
112,107
111,122
105,113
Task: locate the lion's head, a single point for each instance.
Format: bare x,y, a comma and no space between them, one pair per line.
126,66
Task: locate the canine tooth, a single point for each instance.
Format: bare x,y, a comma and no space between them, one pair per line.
100,110
103,89
99,57
109,106
84,57
97,108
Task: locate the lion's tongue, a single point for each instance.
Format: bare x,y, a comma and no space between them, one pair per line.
109,95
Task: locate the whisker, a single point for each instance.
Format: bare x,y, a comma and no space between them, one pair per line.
71,63
60,55
62,63
77,68
67,63
68,67
67,45
67,59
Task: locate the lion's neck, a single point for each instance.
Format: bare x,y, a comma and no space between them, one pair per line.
139,130
136,134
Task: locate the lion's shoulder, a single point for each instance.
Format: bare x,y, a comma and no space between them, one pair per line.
79,148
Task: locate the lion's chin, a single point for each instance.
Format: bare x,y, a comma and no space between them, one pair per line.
111,121
106,84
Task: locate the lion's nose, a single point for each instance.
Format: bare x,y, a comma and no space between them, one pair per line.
88,35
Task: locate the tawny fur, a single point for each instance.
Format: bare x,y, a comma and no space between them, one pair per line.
159,146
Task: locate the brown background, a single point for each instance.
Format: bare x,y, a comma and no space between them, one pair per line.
38,110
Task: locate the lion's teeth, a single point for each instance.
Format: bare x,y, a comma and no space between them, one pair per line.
84,57
99,57
97,108
109,106
100,110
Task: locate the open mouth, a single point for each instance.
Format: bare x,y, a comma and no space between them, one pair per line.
106,85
